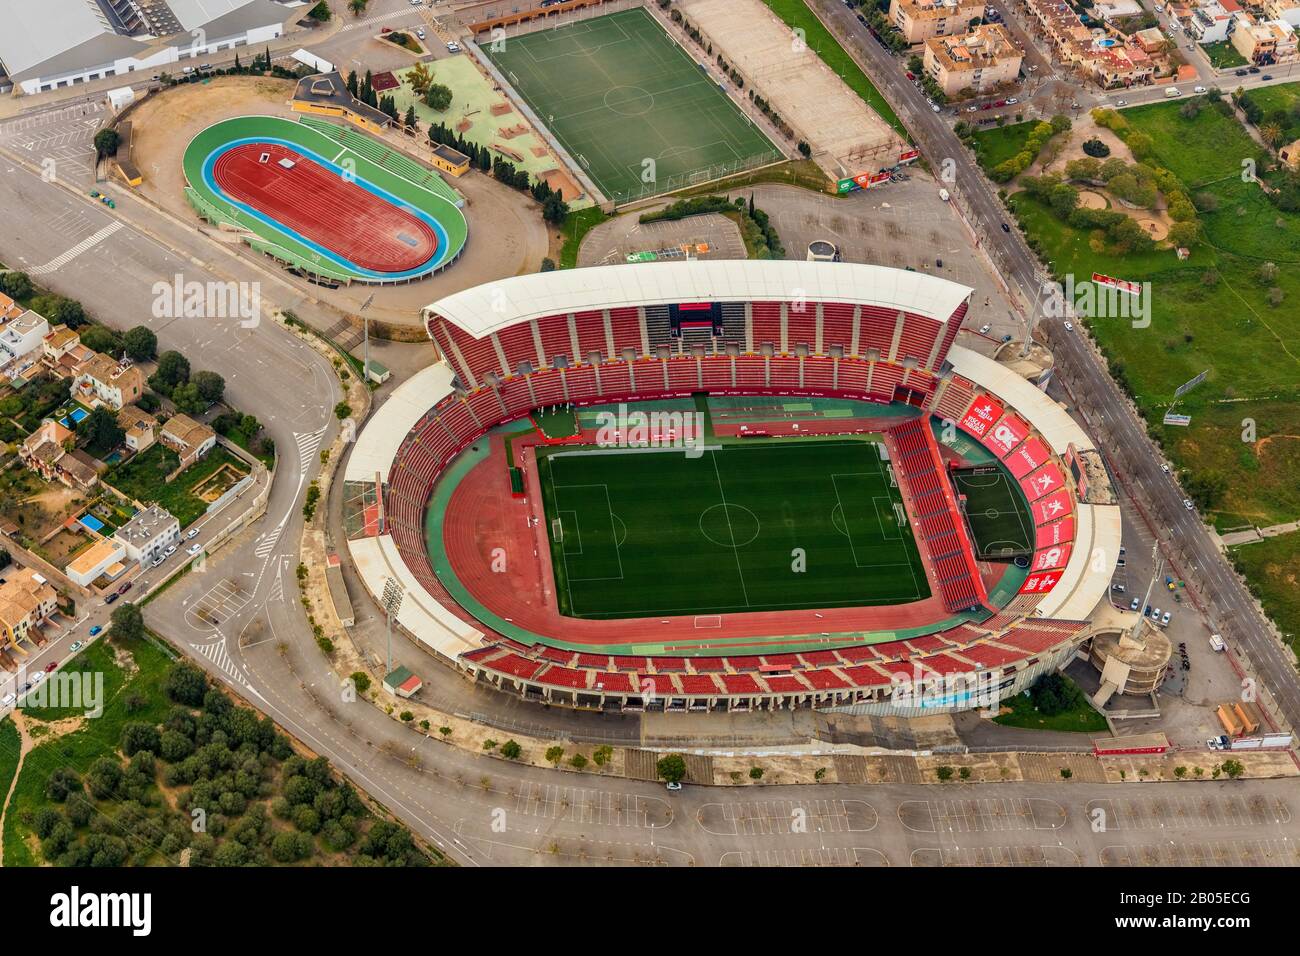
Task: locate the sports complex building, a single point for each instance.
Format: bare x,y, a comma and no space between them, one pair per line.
730,485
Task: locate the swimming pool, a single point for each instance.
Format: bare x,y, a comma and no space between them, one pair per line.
91,523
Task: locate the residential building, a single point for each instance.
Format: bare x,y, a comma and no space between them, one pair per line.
141,428
105,558
45,451
1212,20
980,60
1264,43
1288,10
1106,60
919,20
1115,9
61,43
103,380
1290,155
62,352
190,440
9,309
146,536
22,334
26,602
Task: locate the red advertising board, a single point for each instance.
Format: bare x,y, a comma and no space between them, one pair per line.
981,415
1042,482
909,156
1051,508
1030,456
1040,583
1057,556
1132,288
1006,435
1058,532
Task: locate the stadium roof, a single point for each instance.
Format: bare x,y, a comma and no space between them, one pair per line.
58,36
377,444
488,308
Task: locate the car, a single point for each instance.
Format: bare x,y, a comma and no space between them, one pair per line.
171,549
972,108
1121,563
1198,89
37,678
1164,620
156,77
192,533
416,3
674,786
1164,468
1069,326
51,666
1267,76
935,107
194,549
205,67
1187,503
1240,73
9,700
76,646
1033,68
158,560
910,75
96,629
1000,103
984,329
1118,588
124,588
1121,102
111,598
1005,227
1123,550
1013,101
453,46
1155,614
188,70
1212,743
1074,106
1252,70
1133,605
420,33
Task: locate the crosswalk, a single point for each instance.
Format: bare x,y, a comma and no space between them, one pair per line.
308,443
216,653
88,243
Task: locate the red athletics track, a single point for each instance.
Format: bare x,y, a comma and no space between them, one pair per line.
482,517
322,206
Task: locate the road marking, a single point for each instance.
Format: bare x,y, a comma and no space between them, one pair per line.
88,243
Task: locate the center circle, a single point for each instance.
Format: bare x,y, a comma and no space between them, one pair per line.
629,100
728,525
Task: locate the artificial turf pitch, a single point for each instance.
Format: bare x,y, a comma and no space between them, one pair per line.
617,91
997,512
638,533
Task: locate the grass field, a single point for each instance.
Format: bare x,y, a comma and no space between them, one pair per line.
997,144
1223,55
998,514
617,91
636,533
1272,567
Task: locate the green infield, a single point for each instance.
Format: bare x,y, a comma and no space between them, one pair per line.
762,525
618,93
997,511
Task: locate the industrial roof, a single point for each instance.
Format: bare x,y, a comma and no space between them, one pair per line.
488,308
57,36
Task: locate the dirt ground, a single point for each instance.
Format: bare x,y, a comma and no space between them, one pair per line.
507,236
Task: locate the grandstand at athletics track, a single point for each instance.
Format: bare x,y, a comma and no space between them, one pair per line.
833,331
328,202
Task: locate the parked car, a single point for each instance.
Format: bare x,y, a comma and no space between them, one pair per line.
193,549
1187,503
95,630
972,108
171,549
192,533
1267,76
1121,102
674,786
51,666
37,678
1013,101
420,33
1165,619
1240,73
111,598
1133,605
1252,70
1197,89
1005,227
124,588
984,329
9,700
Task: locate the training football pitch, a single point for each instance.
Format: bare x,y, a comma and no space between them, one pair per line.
618,92
998,514
765,525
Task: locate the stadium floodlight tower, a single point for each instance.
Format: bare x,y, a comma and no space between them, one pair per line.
392,601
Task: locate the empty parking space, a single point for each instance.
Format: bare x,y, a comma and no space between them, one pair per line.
1204,854
989,815
588,806
824,856
994,856
765,817
1190,812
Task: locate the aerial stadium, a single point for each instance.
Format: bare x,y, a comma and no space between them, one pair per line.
730,486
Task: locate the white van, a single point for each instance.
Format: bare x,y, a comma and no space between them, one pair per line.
1216,642
1172,91
943,194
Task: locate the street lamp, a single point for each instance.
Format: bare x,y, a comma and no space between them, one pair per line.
392,601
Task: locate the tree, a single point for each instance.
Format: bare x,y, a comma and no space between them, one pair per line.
1233,768
127,623
321,13
173,370
16,285
602,755
944,773
351,83
140,343
438,97
410,121
187,399
138,736
671,768
555,210
106,141
186,684
511,750
100,429
419,77
342,410
548,265
1270,133
100,338
357,7
755,773
211,386
554,755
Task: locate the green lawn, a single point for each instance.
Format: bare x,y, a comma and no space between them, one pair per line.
617,91
143,479
795,13
1280,97
1223,55
1273,569
658,532
997,144
1080,719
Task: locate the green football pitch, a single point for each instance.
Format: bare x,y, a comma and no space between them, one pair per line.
628,103
997,511
765,525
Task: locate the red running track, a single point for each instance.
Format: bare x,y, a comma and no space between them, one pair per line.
321,206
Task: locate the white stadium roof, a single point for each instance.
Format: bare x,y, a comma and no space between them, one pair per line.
493,306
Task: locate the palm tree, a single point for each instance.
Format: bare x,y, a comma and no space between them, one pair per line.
357,7
1270,133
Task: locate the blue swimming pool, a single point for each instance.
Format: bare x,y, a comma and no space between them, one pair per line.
91,523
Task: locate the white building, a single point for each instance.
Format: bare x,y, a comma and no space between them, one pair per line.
22,335
1211,21
147,535
47,44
